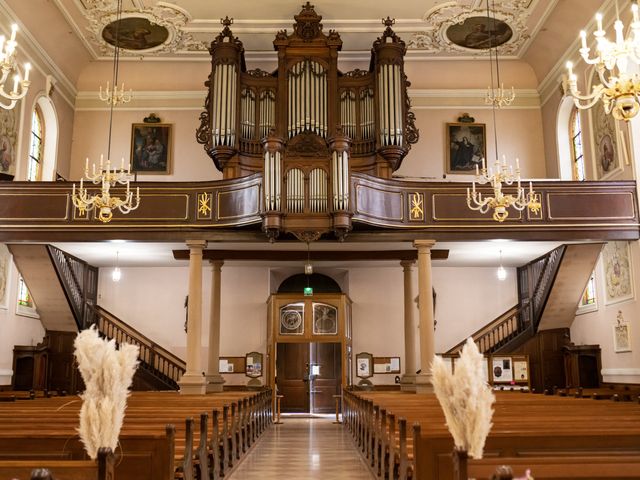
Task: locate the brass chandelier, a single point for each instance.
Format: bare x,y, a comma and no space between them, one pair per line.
619,90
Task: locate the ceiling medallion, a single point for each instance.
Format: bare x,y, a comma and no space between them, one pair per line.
156,29
135,33
453,28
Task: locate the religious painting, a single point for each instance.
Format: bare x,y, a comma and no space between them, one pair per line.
151,148
621,335
135,33
479,33
5,266
605,146
465,146
616,260
7,144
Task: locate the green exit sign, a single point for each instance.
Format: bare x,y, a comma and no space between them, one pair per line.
308,291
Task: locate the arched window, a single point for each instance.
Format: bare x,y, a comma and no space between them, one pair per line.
577,152
34,171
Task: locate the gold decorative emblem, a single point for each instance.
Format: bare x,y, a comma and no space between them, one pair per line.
204,205
416,201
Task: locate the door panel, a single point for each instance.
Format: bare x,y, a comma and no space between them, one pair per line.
292,376
326,370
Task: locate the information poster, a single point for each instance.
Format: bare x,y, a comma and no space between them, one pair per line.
501,369
520,371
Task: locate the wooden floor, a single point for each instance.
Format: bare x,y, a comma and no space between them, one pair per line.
304,448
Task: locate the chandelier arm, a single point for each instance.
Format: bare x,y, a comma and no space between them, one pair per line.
8,106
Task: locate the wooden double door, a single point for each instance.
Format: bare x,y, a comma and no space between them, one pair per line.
308,375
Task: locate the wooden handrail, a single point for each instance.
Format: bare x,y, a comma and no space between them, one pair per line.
152,356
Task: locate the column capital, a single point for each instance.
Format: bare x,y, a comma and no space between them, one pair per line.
407,264
216,263
423,244
201,244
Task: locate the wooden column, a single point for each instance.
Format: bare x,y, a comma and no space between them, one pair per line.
214,380
408,381
425,308
193,381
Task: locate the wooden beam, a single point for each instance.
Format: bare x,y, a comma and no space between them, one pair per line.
316,256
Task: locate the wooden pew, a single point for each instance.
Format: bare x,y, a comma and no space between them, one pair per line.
101,469
521,421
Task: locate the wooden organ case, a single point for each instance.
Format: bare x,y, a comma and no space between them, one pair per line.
307,125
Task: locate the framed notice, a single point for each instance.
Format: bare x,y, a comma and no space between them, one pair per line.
364,365
386,365
502,370
232,365
521,370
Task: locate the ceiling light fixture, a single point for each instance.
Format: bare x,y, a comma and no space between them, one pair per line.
112,95
102,201
116,275
501,273
501,174
8,65
618,89
496,96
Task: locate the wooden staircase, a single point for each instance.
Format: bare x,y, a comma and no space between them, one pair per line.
520,322
77,289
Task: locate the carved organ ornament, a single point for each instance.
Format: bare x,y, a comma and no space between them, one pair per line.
306,126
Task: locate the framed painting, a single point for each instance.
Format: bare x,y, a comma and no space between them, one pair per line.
465,147
616,261
606,149
621,338
5,269
151,148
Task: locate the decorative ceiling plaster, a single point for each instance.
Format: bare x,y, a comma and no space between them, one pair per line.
433,39
100,13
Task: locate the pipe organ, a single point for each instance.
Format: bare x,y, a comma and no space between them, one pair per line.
306,125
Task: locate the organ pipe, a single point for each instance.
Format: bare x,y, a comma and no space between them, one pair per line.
340,180
272,180
248,113
318,190
224,105
306,93
390,102
348,113
295,191
267,112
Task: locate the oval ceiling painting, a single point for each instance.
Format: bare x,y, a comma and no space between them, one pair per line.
135,33
480,33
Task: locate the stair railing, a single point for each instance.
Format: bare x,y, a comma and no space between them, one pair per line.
157,360
79,281
525,316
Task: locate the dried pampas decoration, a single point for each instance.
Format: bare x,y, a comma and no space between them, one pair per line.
107,374
465,398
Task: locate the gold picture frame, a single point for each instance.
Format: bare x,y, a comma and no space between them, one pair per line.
151,148
466,146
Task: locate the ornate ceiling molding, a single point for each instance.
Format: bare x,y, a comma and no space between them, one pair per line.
100,13
434,39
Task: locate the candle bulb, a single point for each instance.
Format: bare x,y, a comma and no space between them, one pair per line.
16,80
101,161
484,164
86,166
477,171
474,188
634,9
531,188
570,68
583,37
27,69
517,164
81,185
122,165
138,193
14,29
73,190
599,21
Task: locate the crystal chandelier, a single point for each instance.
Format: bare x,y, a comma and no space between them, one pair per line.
8,64
113,95
102,201
501,201
618,89
497,97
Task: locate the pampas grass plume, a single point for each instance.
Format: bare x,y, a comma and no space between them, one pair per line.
107,374
466,399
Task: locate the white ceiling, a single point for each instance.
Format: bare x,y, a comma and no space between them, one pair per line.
192,24
461,254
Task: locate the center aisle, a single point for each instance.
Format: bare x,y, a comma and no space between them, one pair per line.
303,448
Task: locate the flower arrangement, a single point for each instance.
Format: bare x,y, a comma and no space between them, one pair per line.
107,373
465,398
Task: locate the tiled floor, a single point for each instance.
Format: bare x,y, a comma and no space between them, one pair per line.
303,448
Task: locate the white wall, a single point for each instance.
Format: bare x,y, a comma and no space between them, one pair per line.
15,329
597,328
152,300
